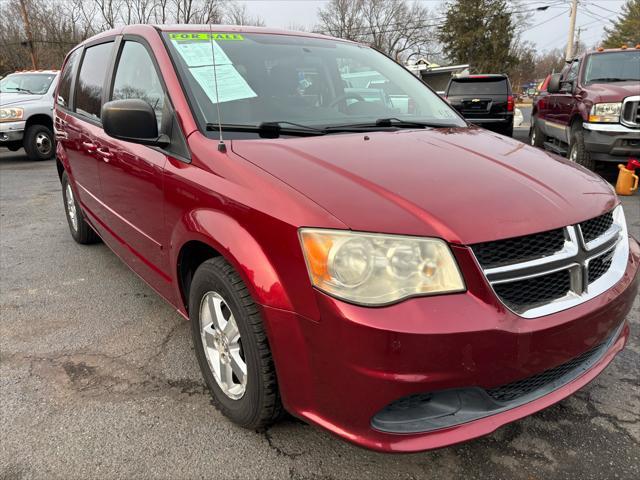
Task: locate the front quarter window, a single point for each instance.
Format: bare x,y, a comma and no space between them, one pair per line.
312,82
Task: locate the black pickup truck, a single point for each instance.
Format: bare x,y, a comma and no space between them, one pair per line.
486,100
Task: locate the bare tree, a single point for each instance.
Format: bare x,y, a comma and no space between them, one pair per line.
395,27
344,19
56,28
237,14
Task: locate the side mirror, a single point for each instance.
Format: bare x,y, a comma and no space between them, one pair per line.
132,120
554,83
567,86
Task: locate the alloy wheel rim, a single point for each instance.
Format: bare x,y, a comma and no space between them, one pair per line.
573,154
222,345
71,208
533,138
43,143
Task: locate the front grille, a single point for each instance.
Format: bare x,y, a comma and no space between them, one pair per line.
519,249
519,388
521,294
544,273
631,112
598,267
592,229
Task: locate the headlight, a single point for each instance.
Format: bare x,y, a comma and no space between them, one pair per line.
376,269
605,112
11,114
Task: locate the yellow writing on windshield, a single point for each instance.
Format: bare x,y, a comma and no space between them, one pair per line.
190,36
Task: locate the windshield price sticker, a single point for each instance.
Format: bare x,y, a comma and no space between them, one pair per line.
200,51
185,36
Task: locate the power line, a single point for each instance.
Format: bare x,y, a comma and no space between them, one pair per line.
415,25
546,21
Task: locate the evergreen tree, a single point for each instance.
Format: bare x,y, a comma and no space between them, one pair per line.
626,29
481,33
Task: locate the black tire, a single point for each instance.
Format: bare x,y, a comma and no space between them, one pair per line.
38,142
260,404
508,130
577,150
14,146
81,232
536,137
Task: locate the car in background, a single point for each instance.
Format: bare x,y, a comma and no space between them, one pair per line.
486,100
591,112
26,112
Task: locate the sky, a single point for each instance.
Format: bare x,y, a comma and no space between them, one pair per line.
547,29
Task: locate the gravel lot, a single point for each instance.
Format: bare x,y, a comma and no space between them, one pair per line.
98,380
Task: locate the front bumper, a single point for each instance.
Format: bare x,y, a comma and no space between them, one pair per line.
11,131
611,142
341,371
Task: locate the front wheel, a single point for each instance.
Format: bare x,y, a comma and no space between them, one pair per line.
578,153
39,143
536,137
232,348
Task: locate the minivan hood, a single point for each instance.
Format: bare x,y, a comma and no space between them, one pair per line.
15,98
465,185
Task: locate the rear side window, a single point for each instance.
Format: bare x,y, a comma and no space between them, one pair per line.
91,79
64,90
479,87
136,77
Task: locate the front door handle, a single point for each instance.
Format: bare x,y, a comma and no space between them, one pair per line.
104,153
89,147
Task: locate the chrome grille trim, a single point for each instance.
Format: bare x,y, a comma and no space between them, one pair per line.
574,257
630,111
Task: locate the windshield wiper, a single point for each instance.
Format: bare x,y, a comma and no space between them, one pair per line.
390,122
274,129
20,89
269,129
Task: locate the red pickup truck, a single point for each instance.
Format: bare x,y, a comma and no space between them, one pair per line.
591,111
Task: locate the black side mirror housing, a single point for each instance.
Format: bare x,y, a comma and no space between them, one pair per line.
132,120
554,83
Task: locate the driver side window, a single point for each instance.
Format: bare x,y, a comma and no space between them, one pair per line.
137,78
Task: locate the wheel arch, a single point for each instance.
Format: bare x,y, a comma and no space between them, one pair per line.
40,119
194,245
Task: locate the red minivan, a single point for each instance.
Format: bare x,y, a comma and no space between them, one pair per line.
380,269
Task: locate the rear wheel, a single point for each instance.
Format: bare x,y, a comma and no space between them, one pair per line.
232,348
38,142
577,150
80,229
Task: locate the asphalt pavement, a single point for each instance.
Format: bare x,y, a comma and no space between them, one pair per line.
98,380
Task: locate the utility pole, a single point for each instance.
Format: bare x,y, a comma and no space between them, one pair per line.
27,29
577,42
572,27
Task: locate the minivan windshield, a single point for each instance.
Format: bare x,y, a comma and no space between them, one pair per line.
29,83
300,82
609,67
